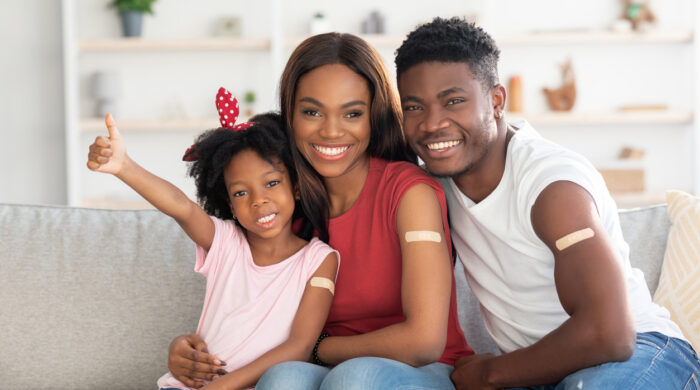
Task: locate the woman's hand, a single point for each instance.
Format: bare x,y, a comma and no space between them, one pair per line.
107,154
190,362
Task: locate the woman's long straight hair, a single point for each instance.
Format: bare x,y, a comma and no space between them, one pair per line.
387,140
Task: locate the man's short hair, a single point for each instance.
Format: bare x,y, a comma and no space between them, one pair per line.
451,40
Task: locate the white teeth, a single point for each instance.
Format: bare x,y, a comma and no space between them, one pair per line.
443,145
267,218
331,151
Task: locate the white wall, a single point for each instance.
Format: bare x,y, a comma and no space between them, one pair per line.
182,84
32,160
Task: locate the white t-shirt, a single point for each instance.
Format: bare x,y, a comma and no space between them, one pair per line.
509,269
248,309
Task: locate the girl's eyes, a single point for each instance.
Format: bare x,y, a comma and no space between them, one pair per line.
239,193
273,183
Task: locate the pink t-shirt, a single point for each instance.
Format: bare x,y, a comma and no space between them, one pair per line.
248,309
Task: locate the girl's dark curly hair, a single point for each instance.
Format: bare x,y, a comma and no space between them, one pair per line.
214,150
451,40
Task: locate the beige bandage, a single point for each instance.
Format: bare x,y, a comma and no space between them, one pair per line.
423,235
571,239
326,283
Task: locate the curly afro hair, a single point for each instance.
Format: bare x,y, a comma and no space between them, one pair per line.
215,148
451,40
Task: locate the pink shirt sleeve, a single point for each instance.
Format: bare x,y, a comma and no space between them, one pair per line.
227,237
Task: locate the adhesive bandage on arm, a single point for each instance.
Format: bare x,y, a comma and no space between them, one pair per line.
326,283
573,238
423,235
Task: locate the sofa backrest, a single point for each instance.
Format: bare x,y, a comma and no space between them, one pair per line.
92,298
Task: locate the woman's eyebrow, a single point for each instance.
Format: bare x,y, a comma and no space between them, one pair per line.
353,103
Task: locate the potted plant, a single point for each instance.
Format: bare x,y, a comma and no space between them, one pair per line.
131,12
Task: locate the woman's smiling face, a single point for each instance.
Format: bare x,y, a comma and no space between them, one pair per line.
331,119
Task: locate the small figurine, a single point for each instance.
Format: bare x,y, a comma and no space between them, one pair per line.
564,97
639,13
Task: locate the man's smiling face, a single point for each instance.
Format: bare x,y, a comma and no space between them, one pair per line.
448,116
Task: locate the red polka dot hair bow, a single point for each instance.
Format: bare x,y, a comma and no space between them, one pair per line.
228,109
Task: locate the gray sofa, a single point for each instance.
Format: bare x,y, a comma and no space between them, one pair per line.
91,298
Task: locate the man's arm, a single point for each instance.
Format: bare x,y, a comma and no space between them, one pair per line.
591,289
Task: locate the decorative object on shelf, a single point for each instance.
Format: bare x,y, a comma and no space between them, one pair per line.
131,13
374,24
249,103
229,26
631,153
564,97
644,107
515,94
639,13
319,24
106,89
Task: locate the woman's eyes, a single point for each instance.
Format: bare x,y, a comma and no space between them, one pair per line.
314,113
354,114
411,108
310,112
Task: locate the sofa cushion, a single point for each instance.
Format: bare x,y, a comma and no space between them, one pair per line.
645,230
91,298
679,286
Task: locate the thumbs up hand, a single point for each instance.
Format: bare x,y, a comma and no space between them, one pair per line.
108,155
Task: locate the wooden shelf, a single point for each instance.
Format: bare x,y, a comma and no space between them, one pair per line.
582,37
150,125
593,37
141,44
605,118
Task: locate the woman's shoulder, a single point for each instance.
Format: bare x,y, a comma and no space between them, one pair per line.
404,173
400,168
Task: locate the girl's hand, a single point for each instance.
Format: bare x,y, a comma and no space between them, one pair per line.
190,363
107,154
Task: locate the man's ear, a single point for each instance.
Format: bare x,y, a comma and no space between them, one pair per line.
498,98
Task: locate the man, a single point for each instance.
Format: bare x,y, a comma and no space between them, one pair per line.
536,229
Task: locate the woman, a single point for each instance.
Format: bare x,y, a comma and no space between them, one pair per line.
393,321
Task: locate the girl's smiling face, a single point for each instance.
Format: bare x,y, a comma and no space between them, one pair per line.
331,119
260,194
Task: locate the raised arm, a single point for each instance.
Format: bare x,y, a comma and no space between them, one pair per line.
425,292
109,155
307,325
591,289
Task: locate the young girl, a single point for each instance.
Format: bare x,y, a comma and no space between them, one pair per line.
268,291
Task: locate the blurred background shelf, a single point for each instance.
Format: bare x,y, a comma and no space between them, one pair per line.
605,118
141,44
166,125
563,37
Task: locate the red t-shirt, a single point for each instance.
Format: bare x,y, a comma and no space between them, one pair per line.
368,286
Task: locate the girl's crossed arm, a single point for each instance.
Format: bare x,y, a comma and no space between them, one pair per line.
306,327
108,155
